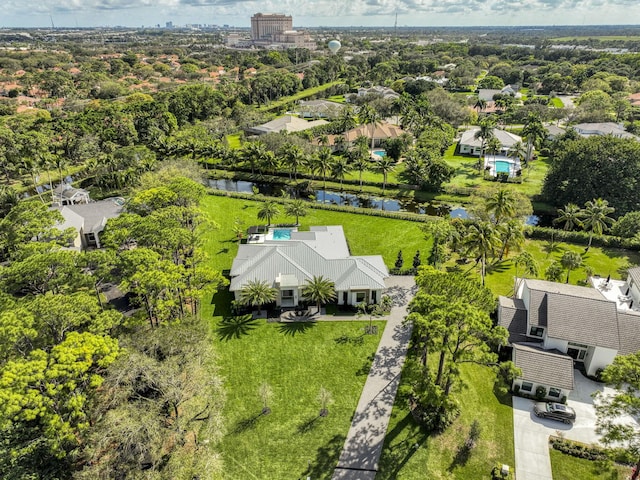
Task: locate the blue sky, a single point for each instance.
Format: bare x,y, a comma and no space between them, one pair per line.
136,13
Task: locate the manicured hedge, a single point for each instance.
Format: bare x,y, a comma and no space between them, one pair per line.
579,450
581,238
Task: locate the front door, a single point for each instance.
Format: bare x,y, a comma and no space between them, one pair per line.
576,353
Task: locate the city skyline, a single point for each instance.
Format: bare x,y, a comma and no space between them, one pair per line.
381,13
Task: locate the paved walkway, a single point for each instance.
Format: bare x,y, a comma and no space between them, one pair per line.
363,446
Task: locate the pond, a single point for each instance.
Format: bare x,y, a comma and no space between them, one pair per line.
360,201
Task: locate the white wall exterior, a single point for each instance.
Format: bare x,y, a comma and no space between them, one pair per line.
557,343
564,392
598,357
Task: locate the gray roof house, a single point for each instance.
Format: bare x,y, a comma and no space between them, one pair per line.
471,145
288,123
603,128
319,108
89,220
553,326
289,260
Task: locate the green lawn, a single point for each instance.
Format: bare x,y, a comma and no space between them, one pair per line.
337,98
234,141
556,102
298,96
411,454
567,467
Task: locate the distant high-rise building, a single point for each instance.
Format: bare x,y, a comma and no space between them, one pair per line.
265,25
168,25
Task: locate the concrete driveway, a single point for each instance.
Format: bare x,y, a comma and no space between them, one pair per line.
531,434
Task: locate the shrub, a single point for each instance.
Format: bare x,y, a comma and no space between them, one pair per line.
578,450
563,400
541,392
516,389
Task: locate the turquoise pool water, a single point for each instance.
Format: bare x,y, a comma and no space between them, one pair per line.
380,153
282,234
503,167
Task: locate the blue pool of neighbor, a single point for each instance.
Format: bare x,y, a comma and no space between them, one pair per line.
503,167
282,234
380,153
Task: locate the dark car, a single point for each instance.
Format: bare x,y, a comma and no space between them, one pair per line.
554,411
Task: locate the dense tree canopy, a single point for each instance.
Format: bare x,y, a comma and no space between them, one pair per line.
600,166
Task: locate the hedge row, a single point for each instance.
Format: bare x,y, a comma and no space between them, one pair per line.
581,238
412,217
578,449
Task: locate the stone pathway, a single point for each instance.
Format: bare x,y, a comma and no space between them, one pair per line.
363,446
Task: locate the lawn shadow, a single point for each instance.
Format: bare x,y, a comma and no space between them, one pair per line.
502,394
396,455
308,425
326,459
349,339
246,424
499,267
461,458
223,250
236,327
366,366
295,328
222,303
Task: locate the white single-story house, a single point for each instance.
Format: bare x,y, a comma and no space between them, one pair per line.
65,194
288,123
320,108
287,259
603,128
379,90
587,326
470,145
89,220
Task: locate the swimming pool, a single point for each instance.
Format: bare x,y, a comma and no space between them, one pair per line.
503,167
380,153
282,234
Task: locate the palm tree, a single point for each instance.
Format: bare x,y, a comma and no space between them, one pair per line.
296,208
518,150
294,158
493,146
570,215
256,293
481,104
512,236
268,210
570,260
370,116
485,132
346,120
502,205
319,290
534,131
322,163
384,166
268,161
482,240
596,219
528,264
340,169
253,152
553,273
360,163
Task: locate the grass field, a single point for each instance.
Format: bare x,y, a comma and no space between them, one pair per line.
410,454
567,467
298,96
234,141
556,102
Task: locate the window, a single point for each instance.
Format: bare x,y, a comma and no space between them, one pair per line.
287,293
554,392
526,387
361,297
536,332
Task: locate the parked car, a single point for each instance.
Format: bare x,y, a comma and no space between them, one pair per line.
554,411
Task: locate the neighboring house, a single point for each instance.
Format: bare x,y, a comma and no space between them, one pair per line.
487,94
65,194
382,131
89,220
604,128
471,145
378,90
553,131
319,108
288,124
289,261
554,326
